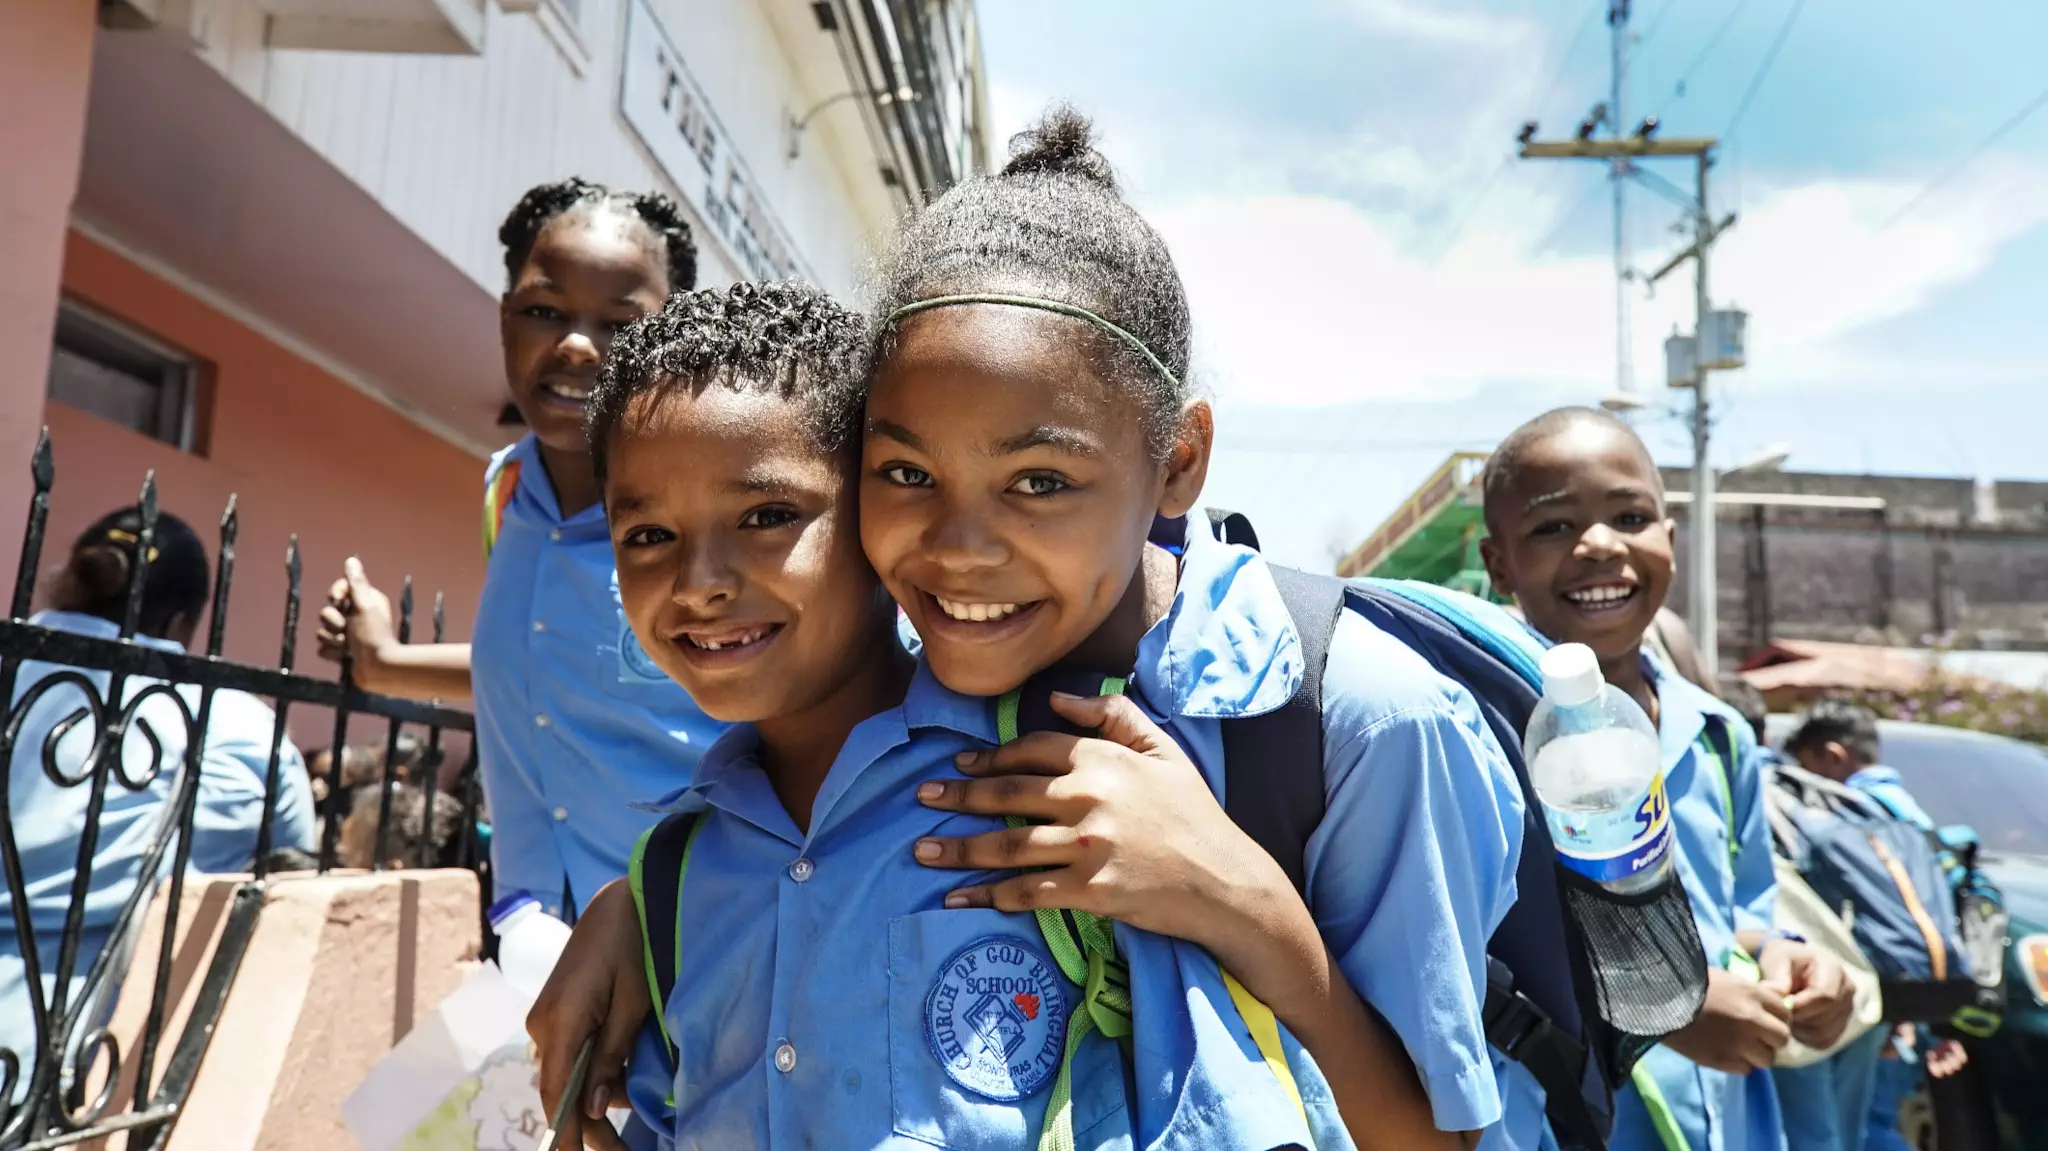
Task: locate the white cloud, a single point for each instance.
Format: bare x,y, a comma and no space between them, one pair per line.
1313,300
1431,21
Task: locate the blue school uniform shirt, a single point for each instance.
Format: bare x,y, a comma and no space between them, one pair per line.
48,819
1413,865
825,997
574,722
1714,1111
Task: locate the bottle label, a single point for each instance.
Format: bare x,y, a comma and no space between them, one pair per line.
1609,847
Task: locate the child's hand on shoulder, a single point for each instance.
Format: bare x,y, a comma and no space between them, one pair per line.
1124,827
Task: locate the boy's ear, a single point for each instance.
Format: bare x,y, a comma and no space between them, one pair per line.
1495,559
1187,466
1670,528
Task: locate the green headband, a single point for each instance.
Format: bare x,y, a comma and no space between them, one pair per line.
1055,306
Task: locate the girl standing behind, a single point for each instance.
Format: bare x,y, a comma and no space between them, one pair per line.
574,722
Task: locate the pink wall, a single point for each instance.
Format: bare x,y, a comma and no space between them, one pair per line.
45,73
303,452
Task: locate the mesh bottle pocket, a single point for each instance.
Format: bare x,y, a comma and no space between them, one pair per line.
1642,956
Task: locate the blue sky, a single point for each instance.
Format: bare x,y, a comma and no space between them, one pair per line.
1376,283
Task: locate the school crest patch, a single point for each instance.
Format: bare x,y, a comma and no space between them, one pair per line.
635,665
996,1018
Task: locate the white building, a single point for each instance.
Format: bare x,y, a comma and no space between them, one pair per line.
258,238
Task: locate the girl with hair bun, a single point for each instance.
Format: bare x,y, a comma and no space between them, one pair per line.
89,597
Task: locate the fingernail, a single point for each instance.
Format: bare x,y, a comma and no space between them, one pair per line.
955,901
600,1100
1066,695
966,758
931,790
927,849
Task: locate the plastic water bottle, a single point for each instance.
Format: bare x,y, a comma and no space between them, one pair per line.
529,941
1594,758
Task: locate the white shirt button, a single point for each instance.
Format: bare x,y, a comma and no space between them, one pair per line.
561,815
542,721
801,870
785,1057
555,535
539,626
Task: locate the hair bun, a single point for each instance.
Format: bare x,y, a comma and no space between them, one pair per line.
1061,143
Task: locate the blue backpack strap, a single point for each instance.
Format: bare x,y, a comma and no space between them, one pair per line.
1273,763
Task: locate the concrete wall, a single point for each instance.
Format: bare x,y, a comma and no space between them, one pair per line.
45,76
1839,576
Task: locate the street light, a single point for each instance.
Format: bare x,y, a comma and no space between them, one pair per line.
797,124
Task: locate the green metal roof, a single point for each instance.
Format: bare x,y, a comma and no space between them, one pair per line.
1434,535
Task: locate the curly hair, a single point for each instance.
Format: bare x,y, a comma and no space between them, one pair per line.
543,203
783,338
1053,225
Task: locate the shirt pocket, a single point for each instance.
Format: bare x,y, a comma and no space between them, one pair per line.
978,1019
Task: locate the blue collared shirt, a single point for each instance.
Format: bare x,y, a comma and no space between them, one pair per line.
48,819
1413,865
825,997
1731,893
1884,784
574,722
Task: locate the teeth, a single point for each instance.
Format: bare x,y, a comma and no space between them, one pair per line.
721,645
977,612
1601,595
567,391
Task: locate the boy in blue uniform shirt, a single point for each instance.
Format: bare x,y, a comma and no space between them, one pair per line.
573,721
824,994
1577,533
1839,740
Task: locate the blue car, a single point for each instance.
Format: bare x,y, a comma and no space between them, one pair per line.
1999,788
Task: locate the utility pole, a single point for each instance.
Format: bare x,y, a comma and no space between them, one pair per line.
1618,171
1706,353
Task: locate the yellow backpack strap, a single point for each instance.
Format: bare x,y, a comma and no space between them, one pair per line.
1084,947
497,494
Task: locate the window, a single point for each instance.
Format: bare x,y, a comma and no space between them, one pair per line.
103,366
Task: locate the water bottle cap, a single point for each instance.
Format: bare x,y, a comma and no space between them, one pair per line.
506,907
1571,675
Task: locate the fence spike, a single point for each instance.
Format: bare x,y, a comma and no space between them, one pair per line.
145,548
43,466
440,616
43,470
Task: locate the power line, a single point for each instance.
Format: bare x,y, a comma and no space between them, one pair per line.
1656,25
2020,117
1706,50
1763,69
1537,98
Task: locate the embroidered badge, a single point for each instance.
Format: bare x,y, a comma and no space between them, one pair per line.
996,1018
635,665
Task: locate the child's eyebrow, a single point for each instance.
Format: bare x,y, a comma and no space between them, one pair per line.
626,503
1064,440
756,485
895,431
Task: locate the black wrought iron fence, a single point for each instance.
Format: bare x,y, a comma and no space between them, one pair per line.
44,1090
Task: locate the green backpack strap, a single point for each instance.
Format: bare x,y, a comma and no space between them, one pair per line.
1719,745
1084,947
655,872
